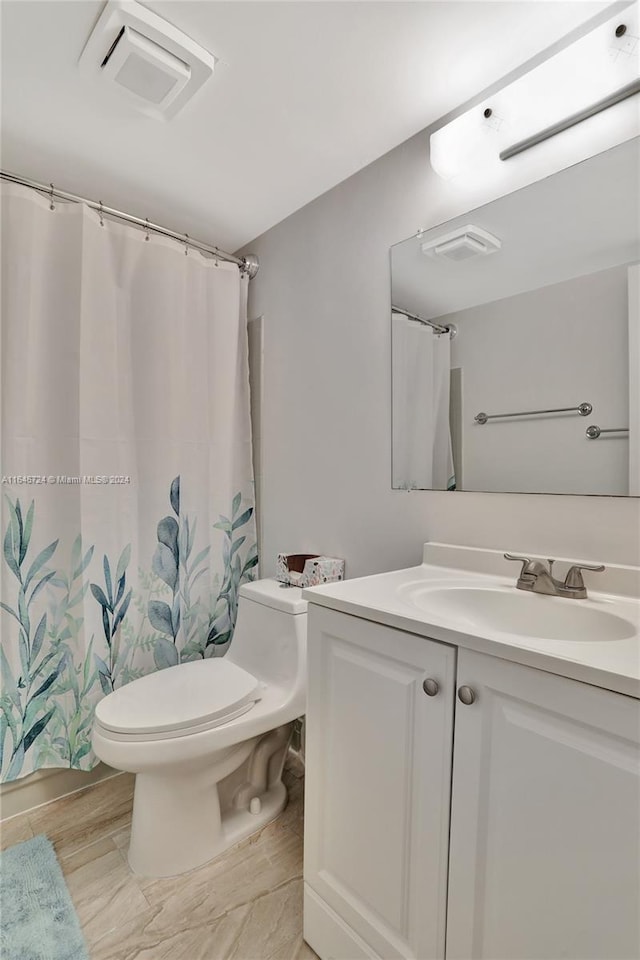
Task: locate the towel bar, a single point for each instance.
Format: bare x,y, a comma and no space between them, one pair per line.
593,432
584,409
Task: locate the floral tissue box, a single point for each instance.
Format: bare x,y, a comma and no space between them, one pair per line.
308,569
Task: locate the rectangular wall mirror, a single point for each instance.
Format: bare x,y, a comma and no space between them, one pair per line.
515,340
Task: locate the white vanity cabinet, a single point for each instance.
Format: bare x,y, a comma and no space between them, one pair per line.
511,831
378,787
544,857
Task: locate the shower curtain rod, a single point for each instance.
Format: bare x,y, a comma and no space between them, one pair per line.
450,328
248,264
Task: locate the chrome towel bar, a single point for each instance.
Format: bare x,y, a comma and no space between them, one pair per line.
584,409
593,432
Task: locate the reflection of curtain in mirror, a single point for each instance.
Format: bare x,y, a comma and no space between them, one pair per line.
422,457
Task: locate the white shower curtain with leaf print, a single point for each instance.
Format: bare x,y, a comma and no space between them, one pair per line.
127,486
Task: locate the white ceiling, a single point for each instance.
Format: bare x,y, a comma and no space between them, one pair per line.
305,94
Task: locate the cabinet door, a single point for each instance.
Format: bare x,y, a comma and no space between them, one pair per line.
544,819
378,773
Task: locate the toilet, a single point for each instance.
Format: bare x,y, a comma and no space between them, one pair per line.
207,739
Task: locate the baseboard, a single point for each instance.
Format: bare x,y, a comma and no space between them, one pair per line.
18,796
328,934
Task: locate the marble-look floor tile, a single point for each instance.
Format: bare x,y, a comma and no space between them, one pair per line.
15,830
143,940
230,881
273,926
79,859
73,822
193,901
267,928
122,838
283,848
103,889
304,952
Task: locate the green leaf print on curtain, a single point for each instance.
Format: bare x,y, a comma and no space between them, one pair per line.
24,702
189,629
236,572
114,603
47,705
166,565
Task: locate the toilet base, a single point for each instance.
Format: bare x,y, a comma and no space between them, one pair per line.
187,816
239,825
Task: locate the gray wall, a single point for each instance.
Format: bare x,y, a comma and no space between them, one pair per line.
325,471
552,347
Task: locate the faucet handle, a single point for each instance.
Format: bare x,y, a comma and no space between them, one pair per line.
574,580
525,561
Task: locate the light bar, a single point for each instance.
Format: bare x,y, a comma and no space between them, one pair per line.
591,77
629,91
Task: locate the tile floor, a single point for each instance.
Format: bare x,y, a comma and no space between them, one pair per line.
245,905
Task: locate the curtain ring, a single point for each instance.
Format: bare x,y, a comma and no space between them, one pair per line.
100,214
186,244
52,205
216,262
146,229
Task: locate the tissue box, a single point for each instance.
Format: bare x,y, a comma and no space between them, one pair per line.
308,569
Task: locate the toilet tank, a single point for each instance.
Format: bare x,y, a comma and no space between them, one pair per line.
270,638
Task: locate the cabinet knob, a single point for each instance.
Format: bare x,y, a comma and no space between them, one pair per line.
466,695
431,687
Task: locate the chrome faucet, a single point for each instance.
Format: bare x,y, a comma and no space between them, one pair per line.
536,577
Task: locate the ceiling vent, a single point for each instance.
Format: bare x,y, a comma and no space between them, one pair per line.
462,244
157,66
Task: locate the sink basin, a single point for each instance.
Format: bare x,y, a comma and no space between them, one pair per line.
507,610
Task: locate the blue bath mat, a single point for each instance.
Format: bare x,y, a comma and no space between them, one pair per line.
37,918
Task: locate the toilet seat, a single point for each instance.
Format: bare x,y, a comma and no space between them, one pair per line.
178,701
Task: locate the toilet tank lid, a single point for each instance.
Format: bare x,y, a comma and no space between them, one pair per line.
271,593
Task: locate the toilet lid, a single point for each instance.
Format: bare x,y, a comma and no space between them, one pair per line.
177,698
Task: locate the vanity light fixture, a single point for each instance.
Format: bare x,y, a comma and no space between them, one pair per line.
597,74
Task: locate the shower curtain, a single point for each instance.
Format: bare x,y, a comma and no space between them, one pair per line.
127,485
421,376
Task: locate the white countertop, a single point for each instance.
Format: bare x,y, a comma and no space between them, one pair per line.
390,598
